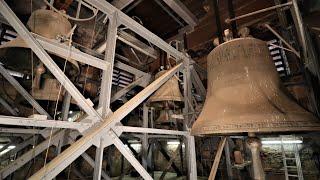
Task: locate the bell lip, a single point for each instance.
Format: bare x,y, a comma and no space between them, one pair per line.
261,132
294,122
18,42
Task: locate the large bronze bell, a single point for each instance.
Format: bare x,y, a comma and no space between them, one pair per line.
16,54
244,94
169,91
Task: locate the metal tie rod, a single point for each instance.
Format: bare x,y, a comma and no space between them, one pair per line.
282,39
228,20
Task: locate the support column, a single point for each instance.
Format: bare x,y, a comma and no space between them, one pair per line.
145,137
66,106
65,113
299,26
153,143
189,141
106,82
186,93
98,161
254,145
91,162
228,160
217,158
191,158
309,56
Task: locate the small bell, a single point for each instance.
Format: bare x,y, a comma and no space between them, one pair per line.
16,54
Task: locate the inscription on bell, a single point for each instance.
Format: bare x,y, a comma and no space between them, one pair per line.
232,53
256,126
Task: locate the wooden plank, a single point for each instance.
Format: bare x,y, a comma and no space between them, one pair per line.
215,164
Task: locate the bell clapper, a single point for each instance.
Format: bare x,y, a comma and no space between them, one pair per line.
39,70
254,144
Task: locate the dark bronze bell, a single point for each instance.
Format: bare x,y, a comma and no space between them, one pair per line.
244,94
16,54
49,90
165,116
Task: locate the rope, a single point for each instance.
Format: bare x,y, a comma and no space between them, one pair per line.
57,101
32,91
95,12
69,171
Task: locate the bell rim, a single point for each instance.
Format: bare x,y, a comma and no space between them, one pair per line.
309,127
18,42
291,121
261,132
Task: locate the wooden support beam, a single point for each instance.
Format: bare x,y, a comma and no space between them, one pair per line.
228,160
166,155
125,90
174,156
98,161
196,81
121,4
76,149
178,7
216,161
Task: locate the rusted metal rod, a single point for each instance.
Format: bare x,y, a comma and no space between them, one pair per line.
315,28
282,39
228,20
